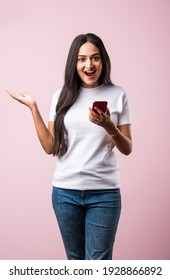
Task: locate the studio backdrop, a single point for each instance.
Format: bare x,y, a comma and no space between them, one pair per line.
35,37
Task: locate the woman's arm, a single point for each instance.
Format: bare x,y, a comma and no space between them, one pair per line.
45,134
121,135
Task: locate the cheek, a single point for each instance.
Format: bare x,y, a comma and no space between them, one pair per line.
100,68
79,69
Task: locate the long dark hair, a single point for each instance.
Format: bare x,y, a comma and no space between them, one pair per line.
72,83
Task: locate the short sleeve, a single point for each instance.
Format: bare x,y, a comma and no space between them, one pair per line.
54,101
125,115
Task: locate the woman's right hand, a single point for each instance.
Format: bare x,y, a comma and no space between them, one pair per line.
45,134
23,98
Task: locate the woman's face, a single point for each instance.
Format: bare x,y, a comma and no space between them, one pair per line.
89,65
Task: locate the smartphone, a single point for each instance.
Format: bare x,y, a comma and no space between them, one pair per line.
102,105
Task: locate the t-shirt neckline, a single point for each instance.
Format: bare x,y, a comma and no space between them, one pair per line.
92,88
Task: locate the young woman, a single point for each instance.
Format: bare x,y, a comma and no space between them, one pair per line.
86,185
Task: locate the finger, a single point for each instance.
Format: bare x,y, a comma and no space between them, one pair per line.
12,94
9,92
94,114
92,118
100,112
107,112
16,96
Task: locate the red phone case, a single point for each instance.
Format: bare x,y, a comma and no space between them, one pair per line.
102,105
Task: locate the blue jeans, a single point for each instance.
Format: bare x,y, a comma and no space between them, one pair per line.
88,221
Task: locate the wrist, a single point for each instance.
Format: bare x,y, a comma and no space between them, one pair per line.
33,107
111,129
114,135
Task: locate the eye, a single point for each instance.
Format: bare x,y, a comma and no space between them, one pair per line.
96,58
81,59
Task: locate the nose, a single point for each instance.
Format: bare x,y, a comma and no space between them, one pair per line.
89,63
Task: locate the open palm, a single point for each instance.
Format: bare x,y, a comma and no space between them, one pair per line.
22,98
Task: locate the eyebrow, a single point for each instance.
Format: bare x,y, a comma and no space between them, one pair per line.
90,56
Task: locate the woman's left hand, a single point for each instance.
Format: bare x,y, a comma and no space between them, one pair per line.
100,118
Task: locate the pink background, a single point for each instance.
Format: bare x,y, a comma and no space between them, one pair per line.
34,40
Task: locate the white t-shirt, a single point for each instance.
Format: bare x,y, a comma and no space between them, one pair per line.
90,161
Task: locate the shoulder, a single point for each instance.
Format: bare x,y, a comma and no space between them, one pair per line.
114,89
117,89
57,93
115,92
